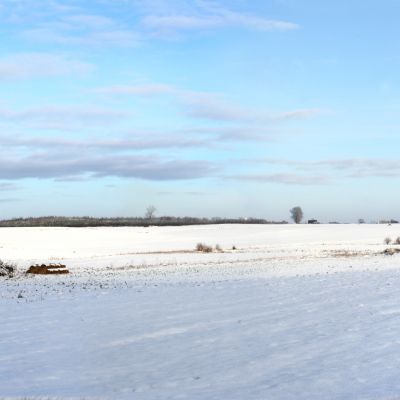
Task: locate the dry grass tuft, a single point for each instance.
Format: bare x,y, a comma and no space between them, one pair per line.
348,253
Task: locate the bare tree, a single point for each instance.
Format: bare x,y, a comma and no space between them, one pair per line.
150,212
296,214
388,240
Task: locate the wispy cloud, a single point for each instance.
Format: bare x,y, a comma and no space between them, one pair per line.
207,16
67,159
28,65
9,199
209,106
239,133
56,22
284,178
141,90
65,35
89,20
8,187
129,166
342,168
184,193
62,117
138,142
363,167
217,108
76,24
214,107
226,19
319,172
298,114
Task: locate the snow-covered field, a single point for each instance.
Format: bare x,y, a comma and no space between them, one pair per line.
295,312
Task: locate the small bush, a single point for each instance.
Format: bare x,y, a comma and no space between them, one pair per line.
397,241
203,248
390,252
7,270
233,247
387,240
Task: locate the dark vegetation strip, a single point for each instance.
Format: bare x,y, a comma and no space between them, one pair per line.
79,222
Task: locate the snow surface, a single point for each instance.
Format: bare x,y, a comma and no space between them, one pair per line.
296,312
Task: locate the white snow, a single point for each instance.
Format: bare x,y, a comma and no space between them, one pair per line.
296,312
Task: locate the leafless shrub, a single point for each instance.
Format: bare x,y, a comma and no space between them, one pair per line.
204,248
387,240
7,270
218,248
233,247
397,241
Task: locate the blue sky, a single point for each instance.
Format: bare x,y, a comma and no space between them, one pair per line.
205,108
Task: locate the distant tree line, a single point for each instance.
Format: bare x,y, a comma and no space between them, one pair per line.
54,221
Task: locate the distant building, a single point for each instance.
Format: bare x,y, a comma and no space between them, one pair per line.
313,221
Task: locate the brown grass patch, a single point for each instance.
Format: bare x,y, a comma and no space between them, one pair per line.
52,269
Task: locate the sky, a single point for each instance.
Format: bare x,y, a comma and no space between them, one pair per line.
201,108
